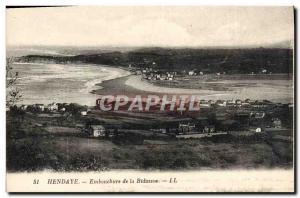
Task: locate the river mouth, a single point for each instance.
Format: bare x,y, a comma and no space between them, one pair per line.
257,89
83,83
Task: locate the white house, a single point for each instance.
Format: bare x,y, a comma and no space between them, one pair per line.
97,130
258,130
52,107
238,102
209,129
230,102
83,113
183,128
191,73
23,107
259,115
41,107
221,103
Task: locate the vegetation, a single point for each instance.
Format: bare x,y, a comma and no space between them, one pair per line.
13,94
38,142
231,61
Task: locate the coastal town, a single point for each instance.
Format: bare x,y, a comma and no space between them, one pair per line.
231,132
150,99
220,117
230,120
152,74
236,117
97,111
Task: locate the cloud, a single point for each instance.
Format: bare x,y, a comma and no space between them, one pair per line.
149,26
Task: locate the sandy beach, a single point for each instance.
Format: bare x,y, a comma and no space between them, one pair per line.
44,83
273,90
83,83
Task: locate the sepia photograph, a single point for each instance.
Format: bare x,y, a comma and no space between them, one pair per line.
150,99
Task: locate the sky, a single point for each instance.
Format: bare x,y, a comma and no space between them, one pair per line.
149,26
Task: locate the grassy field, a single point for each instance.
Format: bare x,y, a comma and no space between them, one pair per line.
37,142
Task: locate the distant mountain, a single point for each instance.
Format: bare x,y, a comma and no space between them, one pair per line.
282,45
234,61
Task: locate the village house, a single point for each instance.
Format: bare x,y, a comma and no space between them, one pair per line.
185,128
40,107
96,130
23,107
110,133
291,105
170,78
221,103
191,73
52,107
83,113
162,130
144,76
276,123
163,77
230,102
245,104
222,116
209,129
259,104
211,102
248,100
259,115
238,102
256,129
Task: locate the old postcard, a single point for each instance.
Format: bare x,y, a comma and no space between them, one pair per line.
150,99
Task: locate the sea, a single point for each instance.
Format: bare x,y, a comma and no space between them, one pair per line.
42,83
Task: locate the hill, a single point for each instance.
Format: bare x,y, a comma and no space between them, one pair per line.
275,60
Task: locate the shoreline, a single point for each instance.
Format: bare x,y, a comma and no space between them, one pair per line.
134,85
45,83
121,81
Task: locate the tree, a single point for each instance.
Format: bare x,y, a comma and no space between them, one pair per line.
13,94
